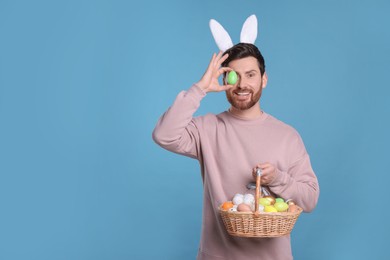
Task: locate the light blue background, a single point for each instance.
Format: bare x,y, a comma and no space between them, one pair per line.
83,83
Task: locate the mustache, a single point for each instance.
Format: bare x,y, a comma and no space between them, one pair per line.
242,90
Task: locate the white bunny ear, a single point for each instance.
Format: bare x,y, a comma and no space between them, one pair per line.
249,30
220,35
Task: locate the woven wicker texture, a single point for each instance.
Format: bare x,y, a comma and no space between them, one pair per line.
247,224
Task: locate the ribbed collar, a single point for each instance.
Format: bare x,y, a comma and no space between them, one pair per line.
246,121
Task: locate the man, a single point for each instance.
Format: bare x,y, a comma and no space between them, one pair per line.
230,147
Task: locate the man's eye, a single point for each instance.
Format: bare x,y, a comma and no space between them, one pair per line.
251,75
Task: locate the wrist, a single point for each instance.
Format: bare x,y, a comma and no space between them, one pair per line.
197,89
202,86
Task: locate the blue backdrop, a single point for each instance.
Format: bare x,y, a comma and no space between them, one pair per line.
83,83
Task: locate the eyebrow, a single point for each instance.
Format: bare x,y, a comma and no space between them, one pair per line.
250,71
247,72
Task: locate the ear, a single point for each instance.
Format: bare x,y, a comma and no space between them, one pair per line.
220,35
264,80
249,30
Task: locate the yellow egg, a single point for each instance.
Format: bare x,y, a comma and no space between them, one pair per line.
271,199
270,209
264,202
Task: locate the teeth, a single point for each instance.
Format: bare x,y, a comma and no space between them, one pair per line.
242,93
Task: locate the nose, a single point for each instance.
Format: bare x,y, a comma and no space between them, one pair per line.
237,83
240,82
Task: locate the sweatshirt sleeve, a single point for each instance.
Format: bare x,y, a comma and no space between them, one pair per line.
176,129
298,182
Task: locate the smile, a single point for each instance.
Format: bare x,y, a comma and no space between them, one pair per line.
242,93
246,93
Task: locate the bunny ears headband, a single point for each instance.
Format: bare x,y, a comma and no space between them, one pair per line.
222,38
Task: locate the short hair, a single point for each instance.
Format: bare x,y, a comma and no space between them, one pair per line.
243,50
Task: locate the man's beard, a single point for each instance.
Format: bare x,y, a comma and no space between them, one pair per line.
244,105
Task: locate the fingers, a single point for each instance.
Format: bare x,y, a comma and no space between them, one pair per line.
212,61
215,59
219,55
222,59
218,59
223,70
264,165
219,73
226,87
214,71
267,169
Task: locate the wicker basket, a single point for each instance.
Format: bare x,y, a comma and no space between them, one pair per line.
259,224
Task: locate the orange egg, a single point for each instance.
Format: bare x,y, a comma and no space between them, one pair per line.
227,205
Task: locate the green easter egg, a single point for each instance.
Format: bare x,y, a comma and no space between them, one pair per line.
279,200
281,206
232,77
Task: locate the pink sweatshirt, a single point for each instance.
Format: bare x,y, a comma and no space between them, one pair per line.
228,148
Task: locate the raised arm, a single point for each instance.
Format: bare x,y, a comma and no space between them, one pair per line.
177,130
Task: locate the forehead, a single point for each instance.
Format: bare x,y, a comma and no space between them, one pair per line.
244,65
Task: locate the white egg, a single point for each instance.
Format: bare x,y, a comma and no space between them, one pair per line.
238,199
233,209
261,208
249,199
253,206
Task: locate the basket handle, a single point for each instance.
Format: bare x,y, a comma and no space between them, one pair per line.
258,190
